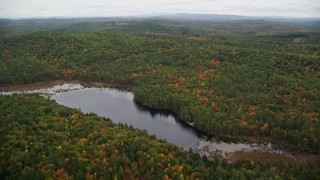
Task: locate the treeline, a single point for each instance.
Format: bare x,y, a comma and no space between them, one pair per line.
40,139
247,85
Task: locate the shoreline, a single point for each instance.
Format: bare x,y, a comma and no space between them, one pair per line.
48,84
242,138
303,153
225,137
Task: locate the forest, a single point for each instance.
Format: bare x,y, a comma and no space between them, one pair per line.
239,77
43,140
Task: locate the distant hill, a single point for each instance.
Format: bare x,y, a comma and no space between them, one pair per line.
219,17
203,17
163,23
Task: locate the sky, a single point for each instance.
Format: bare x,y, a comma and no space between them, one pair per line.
107,8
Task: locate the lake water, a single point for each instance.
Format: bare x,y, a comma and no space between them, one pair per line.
120,107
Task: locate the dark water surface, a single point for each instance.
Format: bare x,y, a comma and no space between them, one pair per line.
120,108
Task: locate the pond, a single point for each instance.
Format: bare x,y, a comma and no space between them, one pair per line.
120,107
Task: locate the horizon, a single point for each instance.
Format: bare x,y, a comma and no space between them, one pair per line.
157,15
15,9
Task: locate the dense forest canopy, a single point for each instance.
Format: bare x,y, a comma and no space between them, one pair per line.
258,78
237,77
43,140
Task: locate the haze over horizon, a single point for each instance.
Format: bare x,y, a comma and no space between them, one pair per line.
103,8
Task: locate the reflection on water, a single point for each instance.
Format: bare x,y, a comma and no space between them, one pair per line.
153,112
121,108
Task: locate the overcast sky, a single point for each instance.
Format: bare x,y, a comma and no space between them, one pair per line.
89,8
